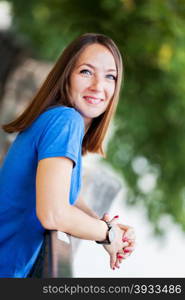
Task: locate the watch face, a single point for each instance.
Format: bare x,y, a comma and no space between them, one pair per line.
111,235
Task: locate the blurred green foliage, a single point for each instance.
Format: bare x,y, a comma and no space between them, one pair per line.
148,147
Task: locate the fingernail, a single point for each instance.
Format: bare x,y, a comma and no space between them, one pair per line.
125,239
116,217
119,256
126,250
113,268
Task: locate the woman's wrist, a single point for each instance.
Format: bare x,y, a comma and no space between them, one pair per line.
110,236
102,231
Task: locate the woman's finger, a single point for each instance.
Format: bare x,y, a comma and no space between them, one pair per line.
114,219
129,234
132,244
113,259
119,260
126,255
128,249
125,227
125,244
120,257
106,217
117,264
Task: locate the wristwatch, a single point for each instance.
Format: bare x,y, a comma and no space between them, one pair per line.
110,235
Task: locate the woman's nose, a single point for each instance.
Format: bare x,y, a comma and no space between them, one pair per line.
96,84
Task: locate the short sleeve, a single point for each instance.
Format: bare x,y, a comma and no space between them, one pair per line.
62,135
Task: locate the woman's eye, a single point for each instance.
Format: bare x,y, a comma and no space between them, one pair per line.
86,72
112,77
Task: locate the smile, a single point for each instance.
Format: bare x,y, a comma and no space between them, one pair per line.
92,100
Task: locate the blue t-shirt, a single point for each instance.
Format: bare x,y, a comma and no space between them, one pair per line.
58,131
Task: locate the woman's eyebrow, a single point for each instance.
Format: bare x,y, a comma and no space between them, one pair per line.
93,67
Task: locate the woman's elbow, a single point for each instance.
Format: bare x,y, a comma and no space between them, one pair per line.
47,223
52,221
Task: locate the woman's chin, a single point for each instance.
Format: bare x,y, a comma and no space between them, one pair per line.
92,116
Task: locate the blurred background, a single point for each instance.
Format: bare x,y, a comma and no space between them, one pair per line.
146,145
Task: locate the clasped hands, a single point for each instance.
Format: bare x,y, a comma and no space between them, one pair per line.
123,244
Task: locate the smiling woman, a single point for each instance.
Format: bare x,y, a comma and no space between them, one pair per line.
68,117
92,84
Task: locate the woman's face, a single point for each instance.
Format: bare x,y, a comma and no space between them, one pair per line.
93,81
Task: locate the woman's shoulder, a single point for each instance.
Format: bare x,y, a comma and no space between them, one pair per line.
58,116
63,111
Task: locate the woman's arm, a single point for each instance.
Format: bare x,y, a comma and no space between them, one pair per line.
81,204
53,180
52,202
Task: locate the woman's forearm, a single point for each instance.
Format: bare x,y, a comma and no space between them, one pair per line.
78,223
85,208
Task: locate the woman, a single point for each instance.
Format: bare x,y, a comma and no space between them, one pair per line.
40,177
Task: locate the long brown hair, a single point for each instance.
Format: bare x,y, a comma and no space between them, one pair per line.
54,91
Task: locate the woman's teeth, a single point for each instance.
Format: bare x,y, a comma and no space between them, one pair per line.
92,100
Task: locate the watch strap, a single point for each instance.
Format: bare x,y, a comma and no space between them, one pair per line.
106,241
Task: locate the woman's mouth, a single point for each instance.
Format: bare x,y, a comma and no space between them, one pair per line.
92,100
